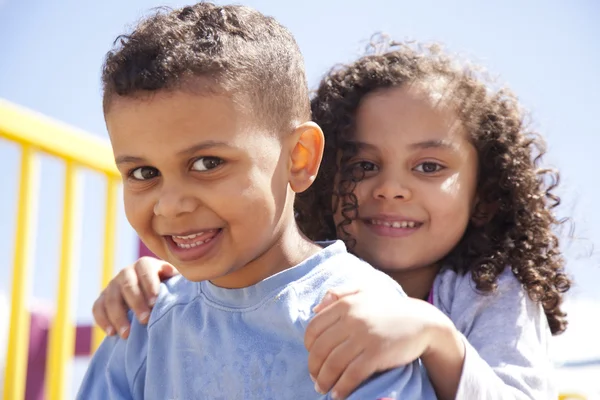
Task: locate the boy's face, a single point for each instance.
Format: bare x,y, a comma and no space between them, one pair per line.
420,176
205,187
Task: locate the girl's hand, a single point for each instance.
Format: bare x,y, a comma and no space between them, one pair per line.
356,334
136,287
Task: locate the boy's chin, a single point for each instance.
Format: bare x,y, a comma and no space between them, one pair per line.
198,272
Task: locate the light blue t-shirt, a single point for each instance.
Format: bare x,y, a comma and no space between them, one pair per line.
207,342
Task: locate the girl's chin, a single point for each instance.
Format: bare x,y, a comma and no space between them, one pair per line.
392,268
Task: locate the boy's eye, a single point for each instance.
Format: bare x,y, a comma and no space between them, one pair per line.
144,173
206,163
429,167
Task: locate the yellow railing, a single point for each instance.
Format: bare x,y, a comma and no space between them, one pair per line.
38,134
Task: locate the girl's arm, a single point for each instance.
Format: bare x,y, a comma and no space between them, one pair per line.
474,346
357,334
506,337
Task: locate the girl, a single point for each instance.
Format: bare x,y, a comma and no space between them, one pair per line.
432,177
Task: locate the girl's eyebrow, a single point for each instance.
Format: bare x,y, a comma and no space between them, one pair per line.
427,144
365,146
432,144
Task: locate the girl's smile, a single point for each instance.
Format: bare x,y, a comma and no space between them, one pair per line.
419,177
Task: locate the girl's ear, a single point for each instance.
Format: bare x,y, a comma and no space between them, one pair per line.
483,212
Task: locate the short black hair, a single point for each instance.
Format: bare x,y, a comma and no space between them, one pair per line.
234,49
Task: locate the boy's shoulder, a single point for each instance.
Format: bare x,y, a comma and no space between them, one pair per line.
344,270
173,292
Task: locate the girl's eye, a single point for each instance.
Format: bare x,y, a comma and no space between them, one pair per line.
365,166
206,163
429,167
144,173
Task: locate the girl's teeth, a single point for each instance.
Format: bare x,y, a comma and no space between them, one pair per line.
395,224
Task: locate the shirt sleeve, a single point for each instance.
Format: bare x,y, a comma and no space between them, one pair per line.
506,338
117,368
408,382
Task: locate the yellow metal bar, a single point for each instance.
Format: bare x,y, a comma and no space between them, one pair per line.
110,229
29,128
62,333
18,339
571,396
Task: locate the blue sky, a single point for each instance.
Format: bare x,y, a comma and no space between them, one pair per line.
547,51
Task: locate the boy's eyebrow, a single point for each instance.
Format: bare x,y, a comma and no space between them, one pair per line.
128,160
209,144
190,150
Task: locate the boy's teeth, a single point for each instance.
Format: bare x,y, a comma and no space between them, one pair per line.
194,240
394,224
192,245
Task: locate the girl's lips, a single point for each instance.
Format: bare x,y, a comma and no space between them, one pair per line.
392,228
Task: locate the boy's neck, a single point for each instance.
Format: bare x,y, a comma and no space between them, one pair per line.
289,248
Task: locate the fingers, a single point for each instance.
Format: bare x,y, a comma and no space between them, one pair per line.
357,371
115,308
136,287
132,295
320,322
167,271
100,315
332,295
327,300
324,345
150,272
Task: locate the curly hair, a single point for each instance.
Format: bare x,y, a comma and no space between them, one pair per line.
235,48
516,196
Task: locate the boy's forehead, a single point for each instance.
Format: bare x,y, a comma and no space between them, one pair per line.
177,107
180,119
191,103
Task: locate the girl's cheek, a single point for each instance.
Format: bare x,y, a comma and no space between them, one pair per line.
451,186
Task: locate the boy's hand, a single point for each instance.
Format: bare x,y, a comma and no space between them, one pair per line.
136,287
356,334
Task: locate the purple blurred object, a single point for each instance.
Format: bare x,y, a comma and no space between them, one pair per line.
41,321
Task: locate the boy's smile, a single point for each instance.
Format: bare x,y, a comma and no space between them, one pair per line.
206,187
193,246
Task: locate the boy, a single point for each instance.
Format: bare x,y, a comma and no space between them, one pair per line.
208,115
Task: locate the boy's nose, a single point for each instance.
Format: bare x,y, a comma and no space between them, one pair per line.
173,204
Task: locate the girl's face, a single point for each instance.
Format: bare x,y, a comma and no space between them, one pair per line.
420,175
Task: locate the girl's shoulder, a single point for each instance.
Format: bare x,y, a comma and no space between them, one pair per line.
455,294
449,284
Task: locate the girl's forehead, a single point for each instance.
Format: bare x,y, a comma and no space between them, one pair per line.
407,115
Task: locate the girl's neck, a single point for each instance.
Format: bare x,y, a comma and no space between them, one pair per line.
417,282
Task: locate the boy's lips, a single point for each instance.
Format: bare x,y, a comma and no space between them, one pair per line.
191,246
187,239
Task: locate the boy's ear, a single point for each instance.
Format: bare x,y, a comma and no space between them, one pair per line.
305,158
